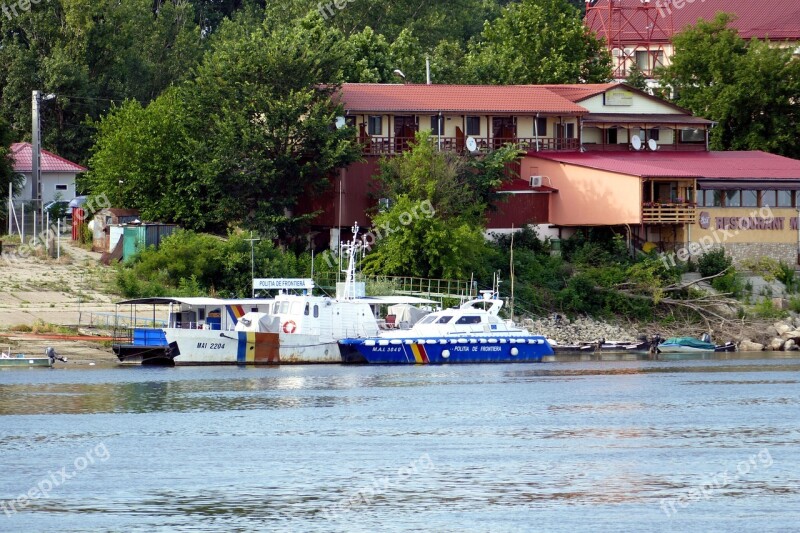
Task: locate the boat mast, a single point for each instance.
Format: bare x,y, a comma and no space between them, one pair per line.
350,273
512,273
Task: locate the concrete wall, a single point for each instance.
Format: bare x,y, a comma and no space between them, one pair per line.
49,182
588,197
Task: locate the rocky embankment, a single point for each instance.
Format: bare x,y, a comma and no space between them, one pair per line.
785,336
582,329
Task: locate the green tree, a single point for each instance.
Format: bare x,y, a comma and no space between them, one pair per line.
750,89
435,225
636,78
7,174
239,144
538,41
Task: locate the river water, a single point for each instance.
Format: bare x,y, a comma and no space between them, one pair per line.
692,445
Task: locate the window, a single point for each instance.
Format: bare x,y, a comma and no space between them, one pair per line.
541,126
350,121
653,134
284,307
428,319
768,198
316,311
717,199
308,309
61,187
749,198
733,198
709,198
570,131
785,198
375,125
643,60
474,126
693,136
201,313
469,320
254,309
437,125
611,136
445,319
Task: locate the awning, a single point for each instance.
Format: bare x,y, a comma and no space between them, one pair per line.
651,119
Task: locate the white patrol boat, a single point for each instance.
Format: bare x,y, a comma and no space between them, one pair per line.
471,333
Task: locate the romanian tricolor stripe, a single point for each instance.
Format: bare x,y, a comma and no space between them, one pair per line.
420,356
246,351
235,312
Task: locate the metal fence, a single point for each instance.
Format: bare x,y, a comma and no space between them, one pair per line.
24,219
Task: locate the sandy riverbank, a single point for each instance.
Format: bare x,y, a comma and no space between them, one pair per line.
72,291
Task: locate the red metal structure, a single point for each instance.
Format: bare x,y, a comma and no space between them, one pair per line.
635,31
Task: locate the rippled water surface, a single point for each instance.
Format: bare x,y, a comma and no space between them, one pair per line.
693,445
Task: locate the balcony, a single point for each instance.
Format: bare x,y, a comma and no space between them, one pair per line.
395,145
668,213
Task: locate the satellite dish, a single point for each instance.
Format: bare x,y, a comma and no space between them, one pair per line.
652,144
636,142
340,123
472,144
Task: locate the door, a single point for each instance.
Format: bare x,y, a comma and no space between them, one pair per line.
405,127
504,130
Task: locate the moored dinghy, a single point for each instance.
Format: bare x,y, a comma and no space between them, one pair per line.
690,344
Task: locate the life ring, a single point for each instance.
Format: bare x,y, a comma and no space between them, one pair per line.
289,326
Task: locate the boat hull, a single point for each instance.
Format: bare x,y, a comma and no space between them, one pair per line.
25,362
132,354
443,350
209,347
677,348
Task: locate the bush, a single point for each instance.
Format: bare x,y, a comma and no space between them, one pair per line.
713,262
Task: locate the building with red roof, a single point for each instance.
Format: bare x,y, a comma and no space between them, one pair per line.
639,31
593,155
58,174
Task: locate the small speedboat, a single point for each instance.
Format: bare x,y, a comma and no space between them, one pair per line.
10,360
690,344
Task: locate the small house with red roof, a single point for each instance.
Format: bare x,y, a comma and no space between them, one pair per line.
58,174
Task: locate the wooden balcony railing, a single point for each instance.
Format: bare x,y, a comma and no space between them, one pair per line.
394,145
668,213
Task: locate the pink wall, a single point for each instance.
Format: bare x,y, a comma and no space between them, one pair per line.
588,197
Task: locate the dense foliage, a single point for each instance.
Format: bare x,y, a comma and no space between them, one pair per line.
195,264
96,55
751,89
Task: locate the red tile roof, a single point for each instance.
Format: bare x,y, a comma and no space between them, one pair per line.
712,165
21,154
409,98
577,92
778,20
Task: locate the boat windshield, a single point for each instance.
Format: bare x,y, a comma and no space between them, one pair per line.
445,319
428,319
469,319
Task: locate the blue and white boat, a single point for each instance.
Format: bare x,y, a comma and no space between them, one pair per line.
472,333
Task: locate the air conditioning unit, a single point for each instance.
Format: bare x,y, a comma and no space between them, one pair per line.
616,52
535,181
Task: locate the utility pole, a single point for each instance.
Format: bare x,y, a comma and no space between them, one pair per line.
36,152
